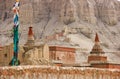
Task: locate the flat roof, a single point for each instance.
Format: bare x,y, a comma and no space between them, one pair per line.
60,48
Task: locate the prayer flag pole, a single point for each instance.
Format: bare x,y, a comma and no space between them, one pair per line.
15,61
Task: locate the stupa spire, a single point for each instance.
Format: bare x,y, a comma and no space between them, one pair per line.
97,38
30,32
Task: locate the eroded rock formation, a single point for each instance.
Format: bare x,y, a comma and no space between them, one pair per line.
67,11
107,11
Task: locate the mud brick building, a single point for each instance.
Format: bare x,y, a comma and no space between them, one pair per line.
64,54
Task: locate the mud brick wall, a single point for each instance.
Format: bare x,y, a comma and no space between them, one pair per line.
48,72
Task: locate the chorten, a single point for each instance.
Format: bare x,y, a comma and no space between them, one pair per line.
97,48
30,40
97,55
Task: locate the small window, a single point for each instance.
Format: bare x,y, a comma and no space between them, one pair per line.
5,55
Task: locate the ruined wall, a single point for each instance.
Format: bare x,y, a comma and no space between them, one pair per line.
37,55
47,72
55,36
6,55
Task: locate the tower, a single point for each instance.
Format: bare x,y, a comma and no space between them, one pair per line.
97,55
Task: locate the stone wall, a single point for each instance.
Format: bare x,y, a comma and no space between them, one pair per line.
48,72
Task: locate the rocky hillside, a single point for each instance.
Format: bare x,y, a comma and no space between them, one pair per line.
83,17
